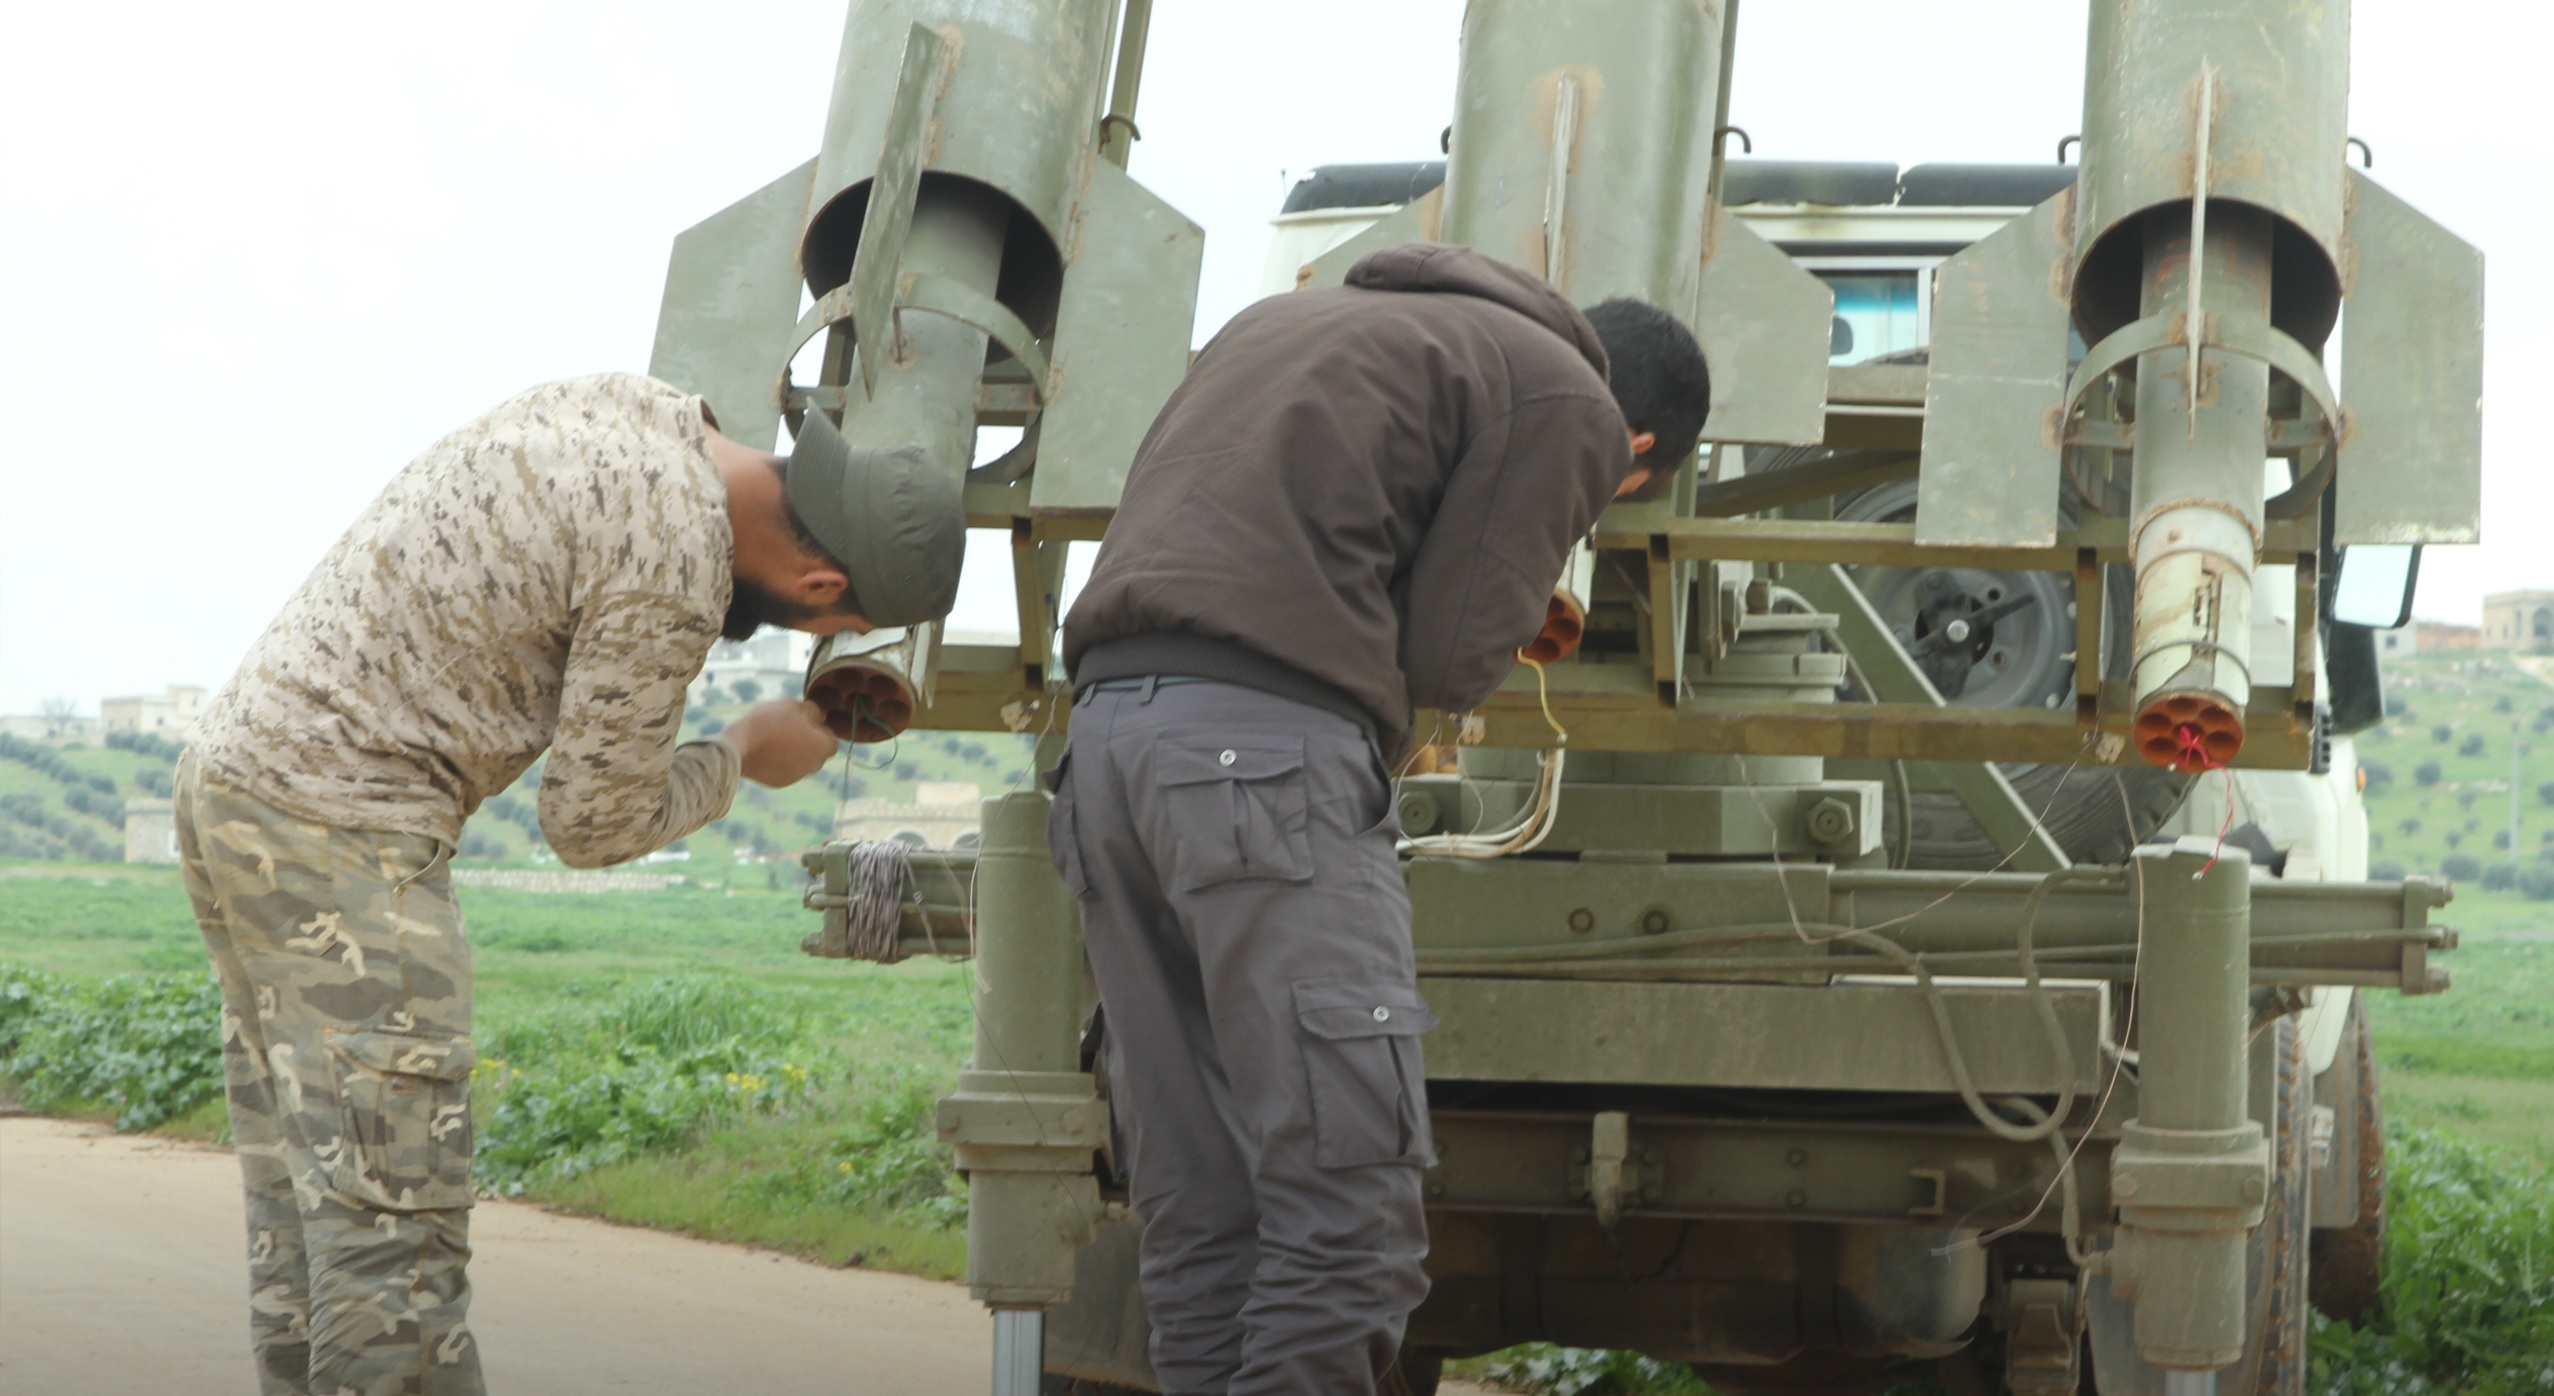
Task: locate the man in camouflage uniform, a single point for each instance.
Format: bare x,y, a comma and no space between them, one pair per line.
550,576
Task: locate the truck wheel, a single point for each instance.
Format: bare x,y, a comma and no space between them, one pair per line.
2018,658
2343,1283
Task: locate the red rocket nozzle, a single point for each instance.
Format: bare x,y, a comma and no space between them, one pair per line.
2188,732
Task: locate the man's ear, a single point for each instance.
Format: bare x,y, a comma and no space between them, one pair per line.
819,584
1642,441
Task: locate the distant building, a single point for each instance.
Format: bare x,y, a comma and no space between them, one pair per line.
171,714
2402,640
773,662
150,831
2435,636
58,729
944,814
2519,621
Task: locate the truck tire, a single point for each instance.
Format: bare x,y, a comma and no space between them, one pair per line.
2019,660
2347,1260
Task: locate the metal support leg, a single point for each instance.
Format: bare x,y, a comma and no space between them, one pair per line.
1019,1351
2193,1169
1025,1120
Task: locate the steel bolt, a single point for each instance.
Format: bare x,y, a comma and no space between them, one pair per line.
1796,1198
1655,921
1582,921
1418,812
1829,821
1796,1157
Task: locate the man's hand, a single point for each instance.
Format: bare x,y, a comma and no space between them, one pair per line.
780,742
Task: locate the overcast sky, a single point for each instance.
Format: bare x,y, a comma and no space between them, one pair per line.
254,257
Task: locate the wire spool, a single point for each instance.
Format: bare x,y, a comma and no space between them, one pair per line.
880,874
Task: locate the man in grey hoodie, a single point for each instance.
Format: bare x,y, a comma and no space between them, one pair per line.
1357,503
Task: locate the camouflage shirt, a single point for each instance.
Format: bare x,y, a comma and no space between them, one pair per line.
551,575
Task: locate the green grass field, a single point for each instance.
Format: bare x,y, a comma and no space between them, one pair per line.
784,1101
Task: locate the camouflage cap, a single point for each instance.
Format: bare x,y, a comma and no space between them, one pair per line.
894,519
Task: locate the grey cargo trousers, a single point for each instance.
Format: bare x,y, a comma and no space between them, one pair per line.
1250,933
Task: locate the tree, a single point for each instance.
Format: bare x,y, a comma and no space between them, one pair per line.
2385,870
2411,824
746,690
2471,746
2380,775
2462,867
2502,704
2427,773
2537,881
2500,877
2501,839
2442,732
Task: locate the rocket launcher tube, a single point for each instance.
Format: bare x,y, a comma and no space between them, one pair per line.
924,395
2197,494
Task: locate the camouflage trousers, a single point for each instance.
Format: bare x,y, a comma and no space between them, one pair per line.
346,1051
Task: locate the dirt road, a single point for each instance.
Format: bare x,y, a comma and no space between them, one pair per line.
121,1270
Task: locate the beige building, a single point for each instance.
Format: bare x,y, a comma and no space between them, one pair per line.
944,814
2520,621
171,714
150,831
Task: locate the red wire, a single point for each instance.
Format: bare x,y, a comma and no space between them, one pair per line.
2195,753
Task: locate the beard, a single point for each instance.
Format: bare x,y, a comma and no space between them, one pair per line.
751,606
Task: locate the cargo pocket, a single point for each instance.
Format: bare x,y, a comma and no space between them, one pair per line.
1063,836
1362,1063
404,1104
1236,811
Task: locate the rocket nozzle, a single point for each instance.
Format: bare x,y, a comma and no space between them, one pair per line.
2186,733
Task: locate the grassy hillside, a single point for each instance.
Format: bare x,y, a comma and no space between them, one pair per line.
67,803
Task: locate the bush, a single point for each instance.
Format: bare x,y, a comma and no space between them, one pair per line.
635,1070
145,743
2501,839
1545,1369
2427,773
746,690
2471,746
2386,870
2461,867
2467,1299
2537,881
2455,837
148,1046
2501,704
155,782
2499,877
2379,775
2442,732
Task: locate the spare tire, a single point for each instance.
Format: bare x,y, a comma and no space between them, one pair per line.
2021,654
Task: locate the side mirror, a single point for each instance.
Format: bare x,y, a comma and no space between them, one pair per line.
2376,583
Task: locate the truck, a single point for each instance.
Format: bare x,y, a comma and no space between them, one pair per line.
1923,924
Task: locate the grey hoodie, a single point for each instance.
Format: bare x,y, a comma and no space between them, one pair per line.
1361,497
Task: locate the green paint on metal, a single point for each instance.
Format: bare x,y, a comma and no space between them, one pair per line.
1415,221
2412,460
1121,341
1870,1036
1990,472
889,216
731,296
1764,323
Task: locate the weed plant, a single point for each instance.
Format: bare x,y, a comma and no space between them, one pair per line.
145,1046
